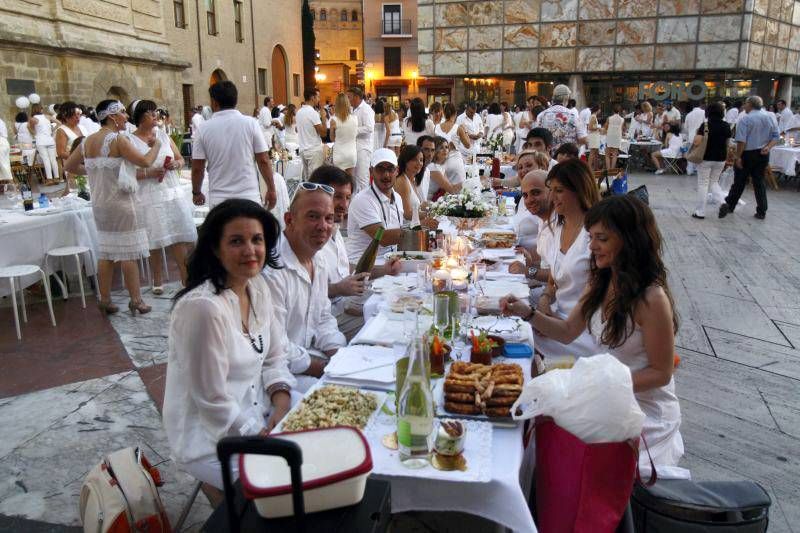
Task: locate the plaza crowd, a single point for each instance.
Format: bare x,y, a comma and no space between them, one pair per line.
270,295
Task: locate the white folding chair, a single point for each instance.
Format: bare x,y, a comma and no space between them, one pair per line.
15,274
70,251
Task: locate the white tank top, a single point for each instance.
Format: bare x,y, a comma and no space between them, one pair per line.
43,134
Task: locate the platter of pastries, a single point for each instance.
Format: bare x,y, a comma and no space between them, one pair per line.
499,239
472,389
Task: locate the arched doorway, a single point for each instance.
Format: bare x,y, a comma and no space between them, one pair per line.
118,93
279,76
217,76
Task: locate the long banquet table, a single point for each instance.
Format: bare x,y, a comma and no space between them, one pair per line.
785,159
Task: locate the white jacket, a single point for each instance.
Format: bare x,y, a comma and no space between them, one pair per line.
366,126
302,308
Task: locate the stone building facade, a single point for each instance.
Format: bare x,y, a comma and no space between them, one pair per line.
614,42
339,44
254,43
85,51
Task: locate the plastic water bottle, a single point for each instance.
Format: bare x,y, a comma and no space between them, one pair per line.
43,201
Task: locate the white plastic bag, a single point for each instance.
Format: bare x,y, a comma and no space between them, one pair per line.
593,400
127,177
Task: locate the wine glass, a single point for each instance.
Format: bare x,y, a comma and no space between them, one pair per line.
441,312
10,192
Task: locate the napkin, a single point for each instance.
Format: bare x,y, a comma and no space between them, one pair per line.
362,363
500,288
381,330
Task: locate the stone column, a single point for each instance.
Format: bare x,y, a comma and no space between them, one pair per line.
785,89
575,84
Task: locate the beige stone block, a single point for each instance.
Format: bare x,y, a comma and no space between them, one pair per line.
448,39
634,58
521,36
674,56
754,54
559,10
450,64
425,64
483,13
602,32
148,7
521,11
759,31
791,61
781,55
556,59
768,58
637,31
774,10
595,59
786,12
558,34
452,15
784,32
761,7
678,7
709,7
771,34
596,9
520,61
721,28
717,56
796,14
425,40
794,39
485,37
677,30
425,17
636,8
485,62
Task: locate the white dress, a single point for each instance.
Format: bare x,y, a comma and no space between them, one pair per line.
660,405
411,136
344,147
495,125
571,273
163,207
614,131
395,134
673,149
454,169
593,138
121,235
380,134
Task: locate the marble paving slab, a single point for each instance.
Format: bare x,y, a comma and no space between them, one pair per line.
53,437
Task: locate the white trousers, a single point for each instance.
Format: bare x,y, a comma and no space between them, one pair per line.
708,173
5,160
48,156
361,171
312,160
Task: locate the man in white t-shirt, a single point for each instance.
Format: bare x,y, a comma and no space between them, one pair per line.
310,131
197,121
694,119
364,143
227,144
671,113
376,206
266,121
785,115
473,125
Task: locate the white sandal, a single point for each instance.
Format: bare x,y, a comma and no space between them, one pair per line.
158,290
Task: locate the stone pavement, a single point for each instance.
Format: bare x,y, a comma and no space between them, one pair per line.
92,385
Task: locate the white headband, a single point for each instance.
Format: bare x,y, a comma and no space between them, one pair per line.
112,109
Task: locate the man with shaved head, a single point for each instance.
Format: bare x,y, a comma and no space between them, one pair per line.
533,229
300,289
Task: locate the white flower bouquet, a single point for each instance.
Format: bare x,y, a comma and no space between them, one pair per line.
467,204
495,143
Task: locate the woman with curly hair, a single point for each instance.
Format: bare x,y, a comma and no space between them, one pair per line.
628,308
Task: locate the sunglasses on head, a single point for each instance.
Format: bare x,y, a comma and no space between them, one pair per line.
310,186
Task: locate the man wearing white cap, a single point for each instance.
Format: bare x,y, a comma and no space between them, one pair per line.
378,205
565,126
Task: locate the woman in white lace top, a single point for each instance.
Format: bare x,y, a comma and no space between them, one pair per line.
121,235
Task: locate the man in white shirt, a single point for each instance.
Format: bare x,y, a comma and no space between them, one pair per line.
88,125
732,113
586,114
197,121
474,127
535,205
563,125
300,289
694,119
671,112
228,143
364,142
785,116
266,121
310,131
376,206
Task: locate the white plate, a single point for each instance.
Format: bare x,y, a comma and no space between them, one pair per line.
380,397
390,283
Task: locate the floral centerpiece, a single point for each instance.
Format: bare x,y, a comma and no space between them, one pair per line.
495,143
465,209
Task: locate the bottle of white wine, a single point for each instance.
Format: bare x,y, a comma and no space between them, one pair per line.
367,260
415,411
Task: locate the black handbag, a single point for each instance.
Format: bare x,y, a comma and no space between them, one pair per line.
700,507
641,193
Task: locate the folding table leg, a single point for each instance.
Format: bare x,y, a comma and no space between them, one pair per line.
80,278
14,307
22,300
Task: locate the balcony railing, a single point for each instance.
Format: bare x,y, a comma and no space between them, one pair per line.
396,28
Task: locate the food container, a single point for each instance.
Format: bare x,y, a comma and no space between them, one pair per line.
336,463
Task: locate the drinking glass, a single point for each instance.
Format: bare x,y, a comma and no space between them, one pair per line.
441,312
10,191
478,272
423,276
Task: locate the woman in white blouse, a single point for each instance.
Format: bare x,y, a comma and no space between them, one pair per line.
572,192
39,125
227,373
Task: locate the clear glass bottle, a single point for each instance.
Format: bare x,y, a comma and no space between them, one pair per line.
415,411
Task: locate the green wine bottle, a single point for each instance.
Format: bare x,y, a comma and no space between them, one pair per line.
367,260
415,411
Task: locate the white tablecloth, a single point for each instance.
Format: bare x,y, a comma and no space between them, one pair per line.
784,159
26,239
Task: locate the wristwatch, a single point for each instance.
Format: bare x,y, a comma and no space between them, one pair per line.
196,193
532,272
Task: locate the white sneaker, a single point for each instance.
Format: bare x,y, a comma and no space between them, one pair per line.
659,171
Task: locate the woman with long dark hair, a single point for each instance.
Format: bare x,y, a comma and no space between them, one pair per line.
710,169
418,124
409,164
628,308
227,372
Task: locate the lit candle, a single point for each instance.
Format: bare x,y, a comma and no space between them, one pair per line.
459,276
452,262
441,279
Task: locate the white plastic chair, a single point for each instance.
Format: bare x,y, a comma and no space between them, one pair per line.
12,273
76,252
